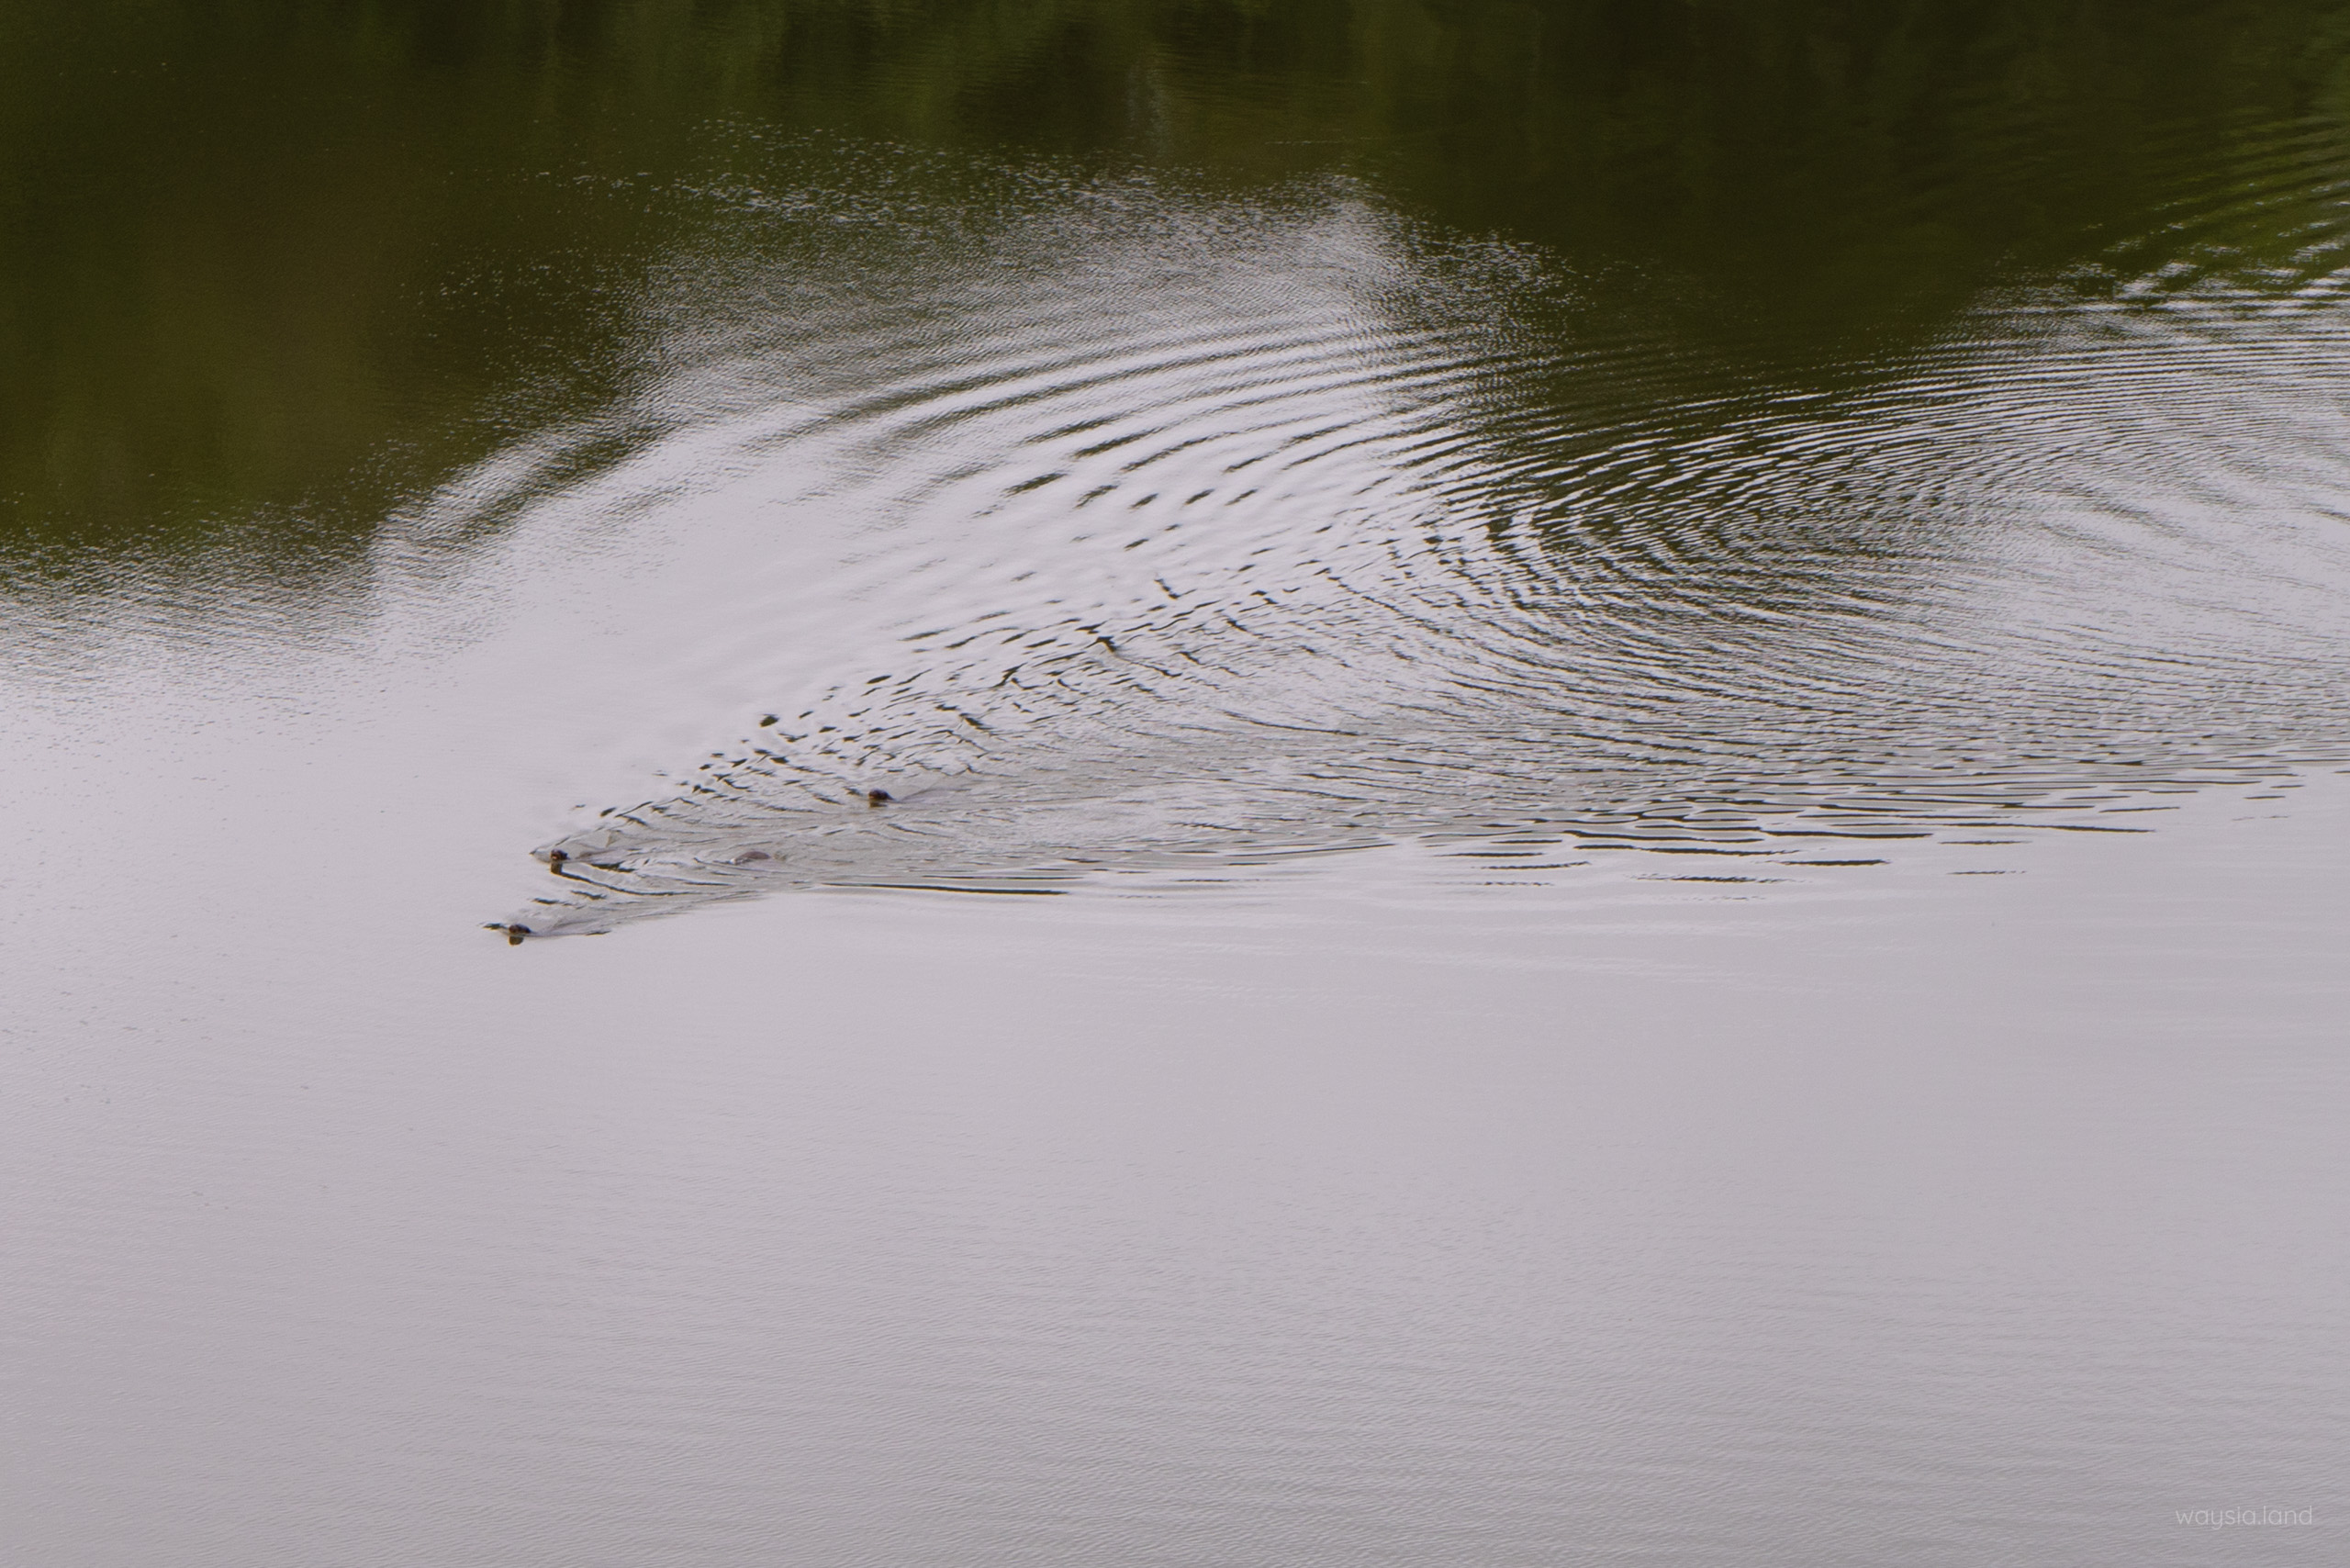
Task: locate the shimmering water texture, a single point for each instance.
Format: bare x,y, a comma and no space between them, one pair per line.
1150,536
1672,672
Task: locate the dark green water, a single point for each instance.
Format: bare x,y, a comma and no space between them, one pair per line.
276,261
1673,682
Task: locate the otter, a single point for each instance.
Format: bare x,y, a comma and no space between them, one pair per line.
514,932
879,796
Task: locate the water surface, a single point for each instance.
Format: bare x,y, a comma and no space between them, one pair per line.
1663,687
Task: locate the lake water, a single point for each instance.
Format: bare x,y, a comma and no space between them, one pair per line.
1368,783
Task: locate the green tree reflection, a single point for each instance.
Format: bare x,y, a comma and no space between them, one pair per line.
272,265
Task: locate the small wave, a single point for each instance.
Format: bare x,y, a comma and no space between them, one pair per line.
1195,535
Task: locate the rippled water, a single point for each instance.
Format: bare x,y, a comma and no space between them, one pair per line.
1158,535
1680,675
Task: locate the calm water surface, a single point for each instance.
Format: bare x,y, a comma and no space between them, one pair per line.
1664,688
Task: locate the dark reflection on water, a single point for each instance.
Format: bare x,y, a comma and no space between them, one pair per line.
267,254
1245,433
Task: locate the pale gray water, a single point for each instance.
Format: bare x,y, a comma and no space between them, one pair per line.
1391,1216
1666,926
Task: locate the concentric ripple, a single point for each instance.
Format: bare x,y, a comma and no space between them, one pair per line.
1179,534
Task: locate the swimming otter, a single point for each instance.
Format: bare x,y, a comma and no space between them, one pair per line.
555,857
514,932
879,796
